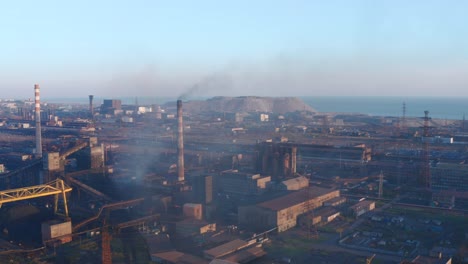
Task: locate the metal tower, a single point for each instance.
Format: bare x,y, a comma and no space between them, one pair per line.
380,184
403,118
425,170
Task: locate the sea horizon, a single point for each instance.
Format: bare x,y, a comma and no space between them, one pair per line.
447,107
439,107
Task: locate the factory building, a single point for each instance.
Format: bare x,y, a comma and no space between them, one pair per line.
51,162
321,216
449,177
96,155
362,207
327,214
280,159
449,185
226,249
282,212
243,256
194,211
193,227
54,231
53,167
91,157
294,184
335,201
238,184
203,189
111,107
277,160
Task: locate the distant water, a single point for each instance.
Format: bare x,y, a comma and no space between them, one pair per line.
438,107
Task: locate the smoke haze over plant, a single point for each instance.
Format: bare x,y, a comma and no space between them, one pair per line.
206,48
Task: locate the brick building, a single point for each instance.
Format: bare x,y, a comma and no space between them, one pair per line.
282,212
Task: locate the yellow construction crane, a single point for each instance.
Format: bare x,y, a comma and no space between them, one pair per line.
55,187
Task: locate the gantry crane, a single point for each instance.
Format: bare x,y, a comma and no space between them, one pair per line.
55,187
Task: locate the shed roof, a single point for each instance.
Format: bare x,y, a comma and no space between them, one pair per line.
295,198
226,248
296,182
180,257
365,203
246,255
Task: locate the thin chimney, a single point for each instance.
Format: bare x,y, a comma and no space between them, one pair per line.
180,142
38,121
91,110
293,159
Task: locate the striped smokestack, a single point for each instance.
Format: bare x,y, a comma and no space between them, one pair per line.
180,142
37,100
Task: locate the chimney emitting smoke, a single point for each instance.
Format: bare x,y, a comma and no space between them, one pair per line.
180,142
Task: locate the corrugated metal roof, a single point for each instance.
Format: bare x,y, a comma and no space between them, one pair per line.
226,248
298,182
246,255
295,198
325,211
364,203
179,257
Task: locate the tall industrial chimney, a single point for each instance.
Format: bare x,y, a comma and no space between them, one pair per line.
38,121
293,160
180,142
91,110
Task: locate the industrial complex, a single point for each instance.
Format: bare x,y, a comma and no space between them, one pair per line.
228,180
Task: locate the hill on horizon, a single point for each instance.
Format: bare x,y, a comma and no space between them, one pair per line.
227,104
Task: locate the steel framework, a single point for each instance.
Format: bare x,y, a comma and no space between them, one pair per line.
55,187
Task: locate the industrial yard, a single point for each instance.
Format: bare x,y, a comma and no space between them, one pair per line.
116,183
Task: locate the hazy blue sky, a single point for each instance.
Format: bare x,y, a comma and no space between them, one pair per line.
167,48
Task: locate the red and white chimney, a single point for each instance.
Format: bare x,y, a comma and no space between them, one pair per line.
37,101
